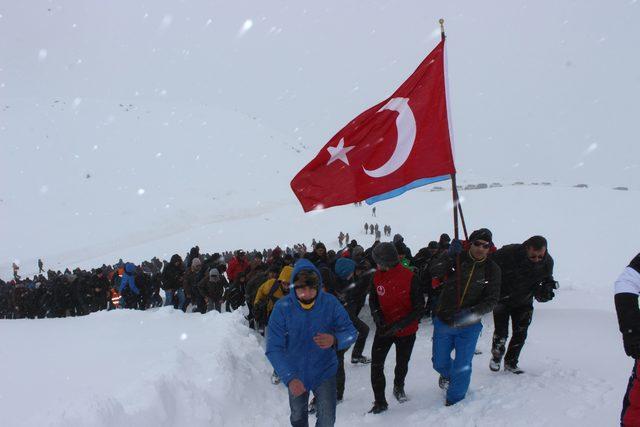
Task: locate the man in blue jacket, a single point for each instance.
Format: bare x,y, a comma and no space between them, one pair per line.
305,329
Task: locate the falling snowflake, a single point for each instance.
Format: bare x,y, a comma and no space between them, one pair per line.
245,27
42,54
141,191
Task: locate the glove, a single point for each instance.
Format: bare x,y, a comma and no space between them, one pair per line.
389,330
631,342
464,318
545,293
455,248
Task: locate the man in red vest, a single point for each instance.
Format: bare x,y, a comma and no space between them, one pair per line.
396,302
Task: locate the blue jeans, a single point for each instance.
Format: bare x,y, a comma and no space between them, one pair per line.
169,294
463,341
326,401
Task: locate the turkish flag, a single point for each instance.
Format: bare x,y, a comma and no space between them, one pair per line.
399,141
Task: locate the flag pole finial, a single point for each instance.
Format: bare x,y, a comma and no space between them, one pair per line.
441,20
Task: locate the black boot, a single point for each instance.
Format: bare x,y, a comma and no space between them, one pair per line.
399,394
379,407
513,367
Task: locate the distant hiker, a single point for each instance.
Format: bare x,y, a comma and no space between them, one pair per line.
465,297
40,266
366,228
237,265
172,282
305,330
313,243
15,271
378,236
396,302
128,289
346,237
212,287
376,228
373,211
627,289
340,237
527,272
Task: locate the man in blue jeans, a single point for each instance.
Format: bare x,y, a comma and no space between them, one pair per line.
306,328
467,294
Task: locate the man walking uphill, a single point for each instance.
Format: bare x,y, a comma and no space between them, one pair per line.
396,302
306,328
466,295
527,272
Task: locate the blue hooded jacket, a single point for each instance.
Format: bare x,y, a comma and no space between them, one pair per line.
290,346
128,279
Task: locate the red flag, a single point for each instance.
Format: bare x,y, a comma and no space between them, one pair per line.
403,139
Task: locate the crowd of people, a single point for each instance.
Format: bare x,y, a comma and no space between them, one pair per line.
308,304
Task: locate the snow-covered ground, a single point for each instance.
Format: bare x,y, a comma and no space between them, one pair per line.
132,130
166,368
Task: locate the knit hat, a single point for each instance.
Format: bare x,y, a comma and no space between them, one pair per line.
481,234
385,255
344,267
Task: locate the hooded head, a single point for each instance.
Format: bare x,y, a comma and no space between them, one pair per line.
285,274
306,280
129,268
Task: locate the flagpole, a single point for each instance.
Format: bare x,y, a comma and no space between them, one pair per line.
456,201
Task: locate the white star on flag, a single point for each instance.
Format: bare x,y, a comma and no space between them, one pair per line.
339,153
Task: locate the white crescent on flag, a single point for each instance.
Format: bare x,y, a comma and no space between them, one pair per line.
406,124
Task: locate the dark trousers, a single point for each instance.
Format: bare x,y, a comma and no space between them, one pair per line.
381,347
340,375
520,321
363,333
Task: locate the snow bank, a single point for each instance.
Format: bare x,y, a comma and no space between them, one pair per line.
153,368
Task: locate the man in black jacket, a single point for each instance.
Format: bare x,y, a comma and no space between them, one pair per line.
470,290
627,288
527,272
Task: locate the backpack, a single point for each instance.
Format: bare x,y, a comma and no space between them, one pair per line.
260,311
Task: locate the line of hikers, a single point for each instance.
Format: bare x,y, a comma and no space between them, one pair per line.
308,305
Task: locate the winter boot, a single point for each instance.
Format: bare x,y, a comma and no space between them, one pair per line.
513,368
399,394
275,379
379,407
360,359
494,365
443,382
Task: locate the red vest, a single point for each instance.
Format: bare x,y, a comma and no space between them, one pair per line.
394,295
